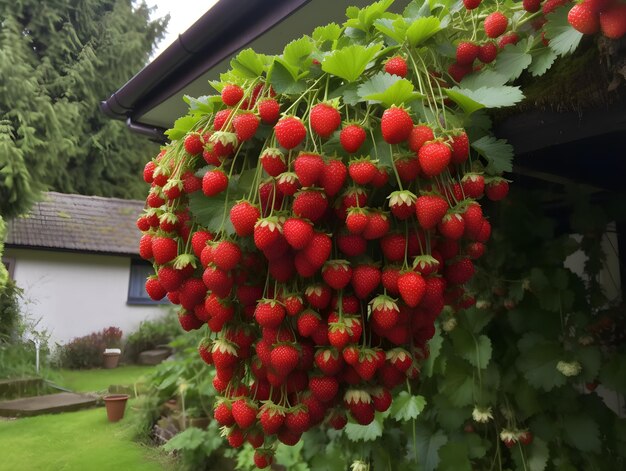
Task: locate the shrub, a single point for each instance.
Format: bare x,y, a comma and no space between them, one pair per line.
86,352
151,334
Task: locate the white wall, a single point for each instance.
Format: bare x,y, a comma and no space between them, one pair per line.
77,294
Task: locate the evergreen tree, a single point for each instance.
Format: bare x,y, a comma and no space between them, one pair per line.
58,60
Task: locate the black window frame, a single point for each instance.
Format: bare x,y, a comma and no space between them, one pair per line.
139,270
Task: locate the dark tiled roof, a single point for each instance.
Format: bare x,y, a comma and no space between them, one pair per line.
79,223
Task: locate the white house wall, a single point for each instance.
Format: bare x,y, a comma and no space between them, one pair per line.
76,294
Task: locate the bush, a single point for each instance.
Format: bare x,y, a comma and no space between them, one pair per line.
9,312
86,352
151,334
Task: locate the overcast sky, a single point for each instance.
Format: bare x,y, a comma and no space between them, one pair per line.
183,13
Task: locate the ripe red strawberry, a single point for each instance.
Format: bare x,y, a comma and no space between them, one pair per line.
218,281
473,217
324,119
243,216
148,172
458,71
154,199
351,138
333,177
188,321
381,177
309,168
337,273
244,412
226,255
420,134
584,19
525,437
308,322
246,125
396,65
356,220
269,110
164,249
191,183
193,143
471,4
284,359
273,161
389,279
223,414
497,188
263,458
487,53
408,167
550,5
324,388
298,232
310,204
287,184
396,125
384,311
232,94
338,335
338,419
365,279
318,295
269,313
531,6
402,204
613,21
329,361
145,246
368,364
411,287
393,246
459,145
271,419
220,119
460,272
266,232
466,53
473,185
381,399
154,288
429,210
378,224
297,420
362,171
214,182
452,226
434,157
495,24
170,278
290,132
510,38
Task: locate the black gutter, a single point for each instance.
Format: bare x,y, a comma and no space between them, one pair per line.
222,31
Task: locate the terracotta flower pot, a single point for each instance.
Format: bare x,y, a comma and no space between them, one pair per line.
111,359
115,405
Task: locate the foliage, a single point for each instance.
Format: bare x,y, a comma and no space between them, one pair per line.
65,57
9,311
150,334
127,376
86,351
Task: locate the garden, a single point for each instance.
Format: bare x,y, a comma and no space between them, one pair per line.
360,280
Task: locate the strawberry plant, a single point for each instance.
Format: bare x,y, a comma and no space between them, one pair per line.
324,215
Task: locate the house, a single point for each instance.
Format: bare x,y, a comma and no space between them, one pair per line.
76,258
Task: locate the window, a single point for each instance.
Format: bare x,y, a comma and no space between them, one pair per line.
139,271
9,262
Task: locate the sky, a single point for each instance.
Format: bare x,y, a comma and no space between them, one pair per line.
183,13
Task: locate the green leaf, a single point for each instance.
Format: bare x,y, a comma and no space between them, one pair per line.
538,454
563,38
190,439
297,51
591,359
181,127
395,29
290,457
454,457
486,78
458,382
513,60
450,418
366,433
283,78
406,407
485,97
582,432
537,362
613,373
204,104
434,347
388,89
249,63
330,32
476,350
422,29
350,62
497,152
380,149
428,445
378,83
542,61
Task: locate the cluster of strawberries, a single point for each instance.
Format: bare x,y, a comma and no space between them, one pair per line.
592,16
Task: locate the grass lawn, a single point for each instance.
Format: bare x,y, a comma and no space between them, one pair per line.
100,379
81,441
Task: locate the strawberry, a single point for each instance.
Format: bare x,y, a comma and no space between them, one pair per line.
333,177
310,204
378,225
226,255
244,412
298,232
269,110
329,361
402,204
324,388
471,4
430,209
381,399
420,134
362,171
191,183
232,94
365,279
458,71
297,420
170,278
338,334
495,24
148,172
324,119
460,272
351,245
459,145
356,220
396,125
354,196
337,273
384,311
263,458
550,5
214,182
473,185
218,281
434,157
368,363
411,287
309,168
223,414
510,38
389,279
584,19
613,21
318,295
351,138
396,65
393,246
243,216
525,437
451,226
188,321
269,313
245,125
271,418
497,188
155,290
308,322
466,53
408,167
381,178
531,6
284,359
273,161
145,246
164,250
488,52
154,199
193,143
266,232
473,217
290,132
